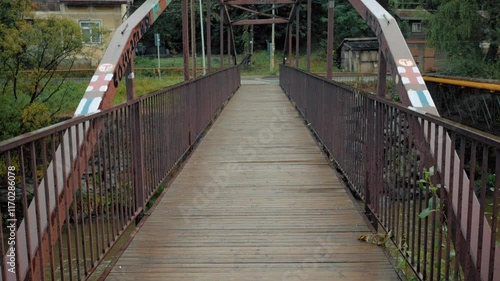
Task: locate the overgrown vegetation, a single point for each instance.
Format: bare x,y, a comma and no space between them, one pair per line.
468,33
31,51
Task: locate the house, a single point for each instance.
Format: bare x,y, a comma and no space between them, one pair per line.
427,59
98,20
358,55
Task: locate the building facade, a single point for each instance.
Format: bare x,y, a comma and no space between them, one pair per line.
359,55
427,59
98,20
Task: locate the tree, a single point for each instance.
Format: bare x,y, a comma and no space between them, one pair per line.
460,28
347,23
31,52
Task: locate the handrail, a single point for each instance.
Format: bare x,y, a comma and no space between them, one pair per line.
83,206
379,145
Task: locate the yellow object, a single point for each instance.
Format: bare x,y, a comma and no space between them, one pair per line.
463,83
379,239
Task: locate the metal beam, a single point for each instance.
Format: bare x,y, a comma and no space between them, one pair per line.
297,34
193,36
232,33
259,21
185,38
309,20
329,40
221,35
257,2
292,12
209,37
254,11
98,96
414,93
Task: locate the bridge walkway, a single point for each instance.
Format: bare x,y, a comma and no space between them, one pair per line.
257,200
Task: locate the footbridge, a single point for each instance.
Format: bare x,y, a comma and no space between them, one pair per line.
252,179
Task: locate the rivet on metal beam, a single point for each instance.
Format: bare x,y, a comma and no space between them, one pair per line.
125,28
385,17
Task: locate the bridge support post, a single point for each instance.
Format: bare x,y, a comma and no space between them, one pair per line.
137,140
382,75
370,162
130,80
221,36
309,6
193,37
185,39
289,42
329,44
209,38
228,46
297,15
138,156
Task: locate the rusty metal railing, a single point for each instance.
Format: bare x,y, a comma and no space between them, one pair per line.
382,151
59,223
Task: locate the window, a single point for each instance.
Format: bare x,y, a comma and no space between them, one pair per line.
416,27
91,32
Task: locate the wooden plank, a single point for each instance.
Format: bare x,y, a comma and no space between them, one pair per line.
256,201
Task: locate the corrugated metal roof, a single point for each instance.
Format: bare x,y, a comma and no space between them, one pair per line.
360,44
94,2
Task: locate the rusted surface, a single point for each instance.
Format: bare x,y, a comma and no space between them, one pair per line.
256,201
91,187
260,21
383,148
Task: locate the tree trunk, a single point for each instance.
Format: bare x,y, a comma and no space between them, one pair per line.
492,54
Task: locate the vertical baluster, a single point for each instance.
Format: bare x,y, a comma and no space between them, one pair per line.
494,217
80,200
482,204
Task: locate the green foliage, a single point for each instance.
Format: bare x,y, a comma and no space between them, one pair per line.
30,53
434,203
458,28
35,116
10,119
471,66
453,28
347,23
11,11
261,64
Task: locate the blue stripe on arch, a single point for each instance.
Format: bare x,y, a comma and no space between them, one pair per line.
86,107
156,10
422,98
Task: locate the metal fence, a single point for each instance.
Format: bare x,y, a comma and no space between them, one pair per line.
431,182
475,107
68,191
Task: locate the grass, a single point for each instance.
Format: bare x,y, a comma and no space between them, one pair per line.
146,85
64,103
260,63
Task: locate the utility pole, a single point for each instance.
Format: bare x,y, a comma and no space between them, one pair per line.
157,43
251,44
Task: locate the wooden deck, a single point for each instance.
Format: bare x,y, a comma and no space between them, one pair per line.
256,201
